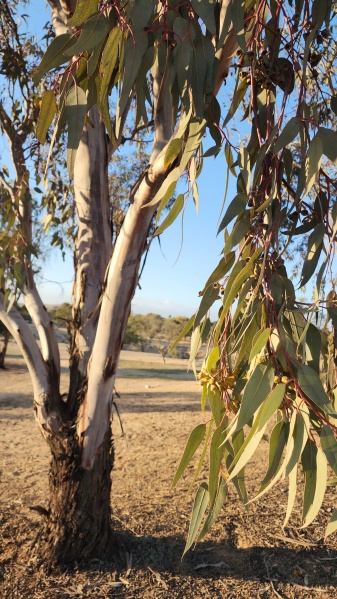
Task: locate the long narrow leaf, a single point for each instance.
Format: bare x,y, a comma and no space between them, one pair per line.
198,511
192,445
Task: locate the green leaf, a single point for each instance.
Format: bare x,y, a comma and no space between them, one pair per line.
329,140
311,385
290,131
183,333
333,315
266,411
333,104
141,13
168,195
237,99
256,391
213,358
315,246
329,446
235,282
313,347
109,59
238,18
203,454
192,445
173,151
277,443
54,56
313,163
205,10
315,477
172,215
75,110
216,405
259,343
332,526
299,439
93,32
47,113
209,297
215,458
221,270
239,480
215,509
84,9
237,205
247,449
198,511
135,49
239,231
291,494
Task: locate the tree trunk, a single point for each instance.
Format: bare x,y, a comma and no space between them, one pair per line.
4,349
77,522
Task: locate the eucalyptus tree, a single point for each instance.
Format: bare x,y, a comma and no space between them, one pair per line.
171,58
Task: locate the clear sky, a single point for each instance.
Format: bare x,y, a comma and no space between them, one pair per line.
177,269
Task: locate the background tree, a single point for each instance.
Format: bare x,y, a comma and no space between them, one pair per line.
172,57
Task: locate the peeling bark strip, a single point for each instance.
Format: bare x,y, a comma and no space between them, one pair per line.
109,368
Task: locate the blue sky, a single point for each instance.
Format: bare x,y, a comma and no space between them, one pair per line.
175,271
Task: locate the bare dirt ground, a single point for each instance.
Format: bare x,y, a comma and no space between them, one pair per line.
246,555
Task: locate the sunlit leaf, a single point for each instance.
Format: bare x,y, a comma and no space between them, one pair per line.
332,526
84,9
259,343
257,389
329,446
172,215
173,151
216,454
192,445
291,494
46,116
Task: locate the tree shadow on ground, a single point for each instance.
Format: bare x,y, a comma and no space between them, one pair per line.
311,566
138,402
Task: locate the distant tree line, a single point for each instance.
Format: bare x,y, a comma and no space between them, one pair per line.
143,330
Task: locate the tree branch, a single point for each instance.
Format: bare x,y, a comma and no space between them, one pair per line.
37,367
21,195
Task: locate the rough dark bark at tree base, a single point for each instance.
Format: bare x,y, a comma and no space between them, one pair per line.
77,523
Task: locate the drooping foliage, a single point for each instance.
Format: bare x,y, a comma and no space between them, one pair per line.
271,357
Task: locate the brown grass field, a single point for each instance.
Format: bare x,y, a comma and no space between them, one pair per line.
246,555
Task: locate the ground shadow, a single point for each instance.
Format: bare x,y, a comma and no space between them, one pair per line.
136,402
306,567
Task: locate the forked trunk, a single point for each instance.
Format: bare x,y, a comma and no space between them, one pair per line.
77,523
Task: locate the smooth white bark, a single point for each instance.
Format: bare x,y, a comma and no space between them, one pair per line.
93,243
30,350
